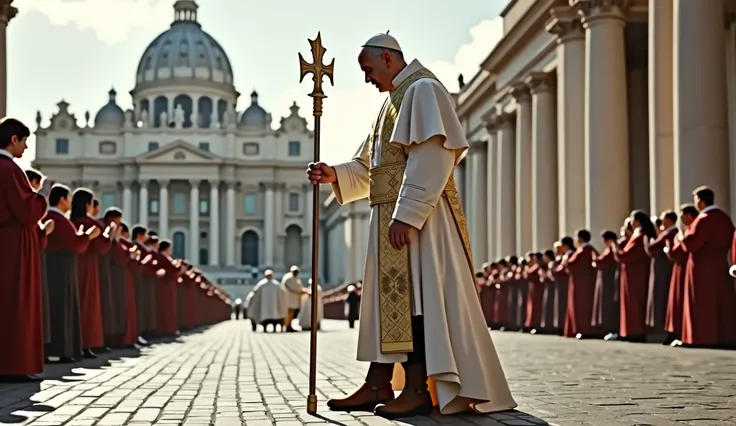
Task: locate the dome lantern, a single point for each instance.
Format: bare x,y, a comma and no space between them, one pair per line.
185,11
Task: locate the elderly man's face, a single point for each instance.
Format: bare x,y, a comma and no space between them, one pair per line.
377,68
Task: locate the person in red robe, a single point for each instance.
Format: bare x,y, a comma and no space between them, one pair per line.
501,307
635,270
581,288
564,249
548,298
661,274
605,304
678,257
90,303
486,292
21,310
534,294
130,265
709,306
36,179
166,295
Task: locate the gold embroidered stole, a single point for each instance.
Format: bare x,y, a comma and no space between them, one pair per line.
394,271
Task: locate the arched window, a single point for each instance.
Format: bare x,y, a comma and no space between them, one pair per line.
293,245
179,245
249,249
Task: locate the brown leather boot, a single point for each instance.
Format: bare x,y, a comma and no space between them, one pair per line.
376,390
414,400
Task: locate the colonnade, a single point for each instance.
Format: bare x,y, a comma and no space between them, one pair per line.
556,156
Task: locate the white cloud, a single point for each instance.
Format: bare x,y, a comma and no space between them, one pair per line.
484,37
111,20
348,115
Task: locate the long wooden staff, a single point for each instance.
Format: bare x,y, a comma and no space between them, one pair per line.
318,70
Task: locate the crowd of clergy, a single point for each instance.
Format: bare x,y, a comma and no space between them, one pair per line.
276,306
77,281
663,279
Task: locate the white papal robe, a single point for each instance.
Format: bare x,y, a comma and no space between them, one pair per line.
460,355
268,301
305,311
293,287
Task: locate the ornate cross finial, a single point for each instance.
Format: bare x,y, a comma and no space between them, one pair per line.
318,70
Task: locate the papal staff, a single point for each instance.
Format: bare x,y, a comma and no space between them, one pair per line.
318,70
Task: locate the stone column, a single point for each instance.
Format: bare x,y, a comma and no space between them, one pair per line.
479,229
143,203
163,208
269,224
661,114
214,222
606,114
7,12
520,92
544,161
701,132
566,24
127,200
230,226
731,83
469,202
505,184
194,222
459,174
490,198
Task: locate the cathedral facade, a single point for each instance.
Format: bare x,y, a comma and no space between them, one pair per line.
227,187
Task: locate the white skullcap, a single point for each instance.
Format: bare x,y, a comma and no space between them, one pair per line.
294,268
383,41
351,288
310,281
268,272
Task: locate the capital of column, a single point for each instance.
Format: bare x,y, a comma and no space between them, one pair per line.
520,92
143,183
505,120
163,183
478,145
594,11
273,186
231,184
540,82
565,24
195,183
7,11
126,183
489,121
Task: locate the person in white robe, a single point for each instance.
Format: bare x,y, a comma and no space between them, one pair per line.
246,313
294,291
268,305
419,134
305,311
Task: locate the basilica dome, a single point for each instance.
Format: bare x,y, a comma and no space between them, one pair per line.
110,116
255,115
184,51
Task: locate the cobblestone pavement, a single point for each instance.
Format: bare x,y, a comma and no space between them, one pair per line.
227,375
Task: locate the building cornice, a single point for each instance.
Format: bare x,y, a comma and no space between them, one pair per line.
520,34
476,92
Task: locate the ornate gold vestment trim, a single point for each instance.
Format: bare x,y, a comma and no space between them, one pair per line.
394,271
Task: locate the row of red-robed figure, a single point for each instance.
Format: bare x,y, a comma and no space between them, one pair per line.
673,281
62,289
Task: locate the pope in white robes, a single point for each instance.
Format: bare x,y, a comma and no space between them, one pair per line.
268,305
418,253
294,289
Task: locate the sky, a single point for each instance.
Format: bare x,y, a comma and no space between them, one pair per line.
76,50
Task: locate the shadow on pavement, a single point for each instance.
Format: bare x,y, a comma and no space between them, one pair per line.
17,399
511,417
